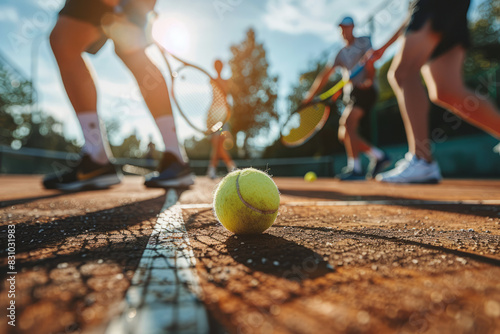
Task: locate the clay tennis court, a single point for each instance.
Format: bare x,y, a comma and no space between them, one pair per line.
341,258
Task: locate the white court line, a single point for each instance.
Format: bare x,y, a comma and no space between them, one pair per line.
402,202
164,294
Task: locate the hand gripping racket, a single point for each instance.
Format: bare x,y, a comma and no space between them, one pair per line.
309,118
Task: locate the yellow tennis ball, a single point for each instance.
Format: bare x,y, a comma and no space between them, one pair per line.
310,177
246,201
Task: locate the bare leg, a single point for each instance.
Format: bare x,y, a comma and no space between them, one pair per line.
69,39
215,150
150,80
223,153
353,142
443,77
404,77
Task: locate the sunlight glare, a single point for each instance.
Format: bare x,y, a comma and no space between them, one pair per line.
172,34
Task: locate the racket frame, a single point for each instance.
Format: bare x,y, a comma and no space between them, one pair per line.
174,74
328,98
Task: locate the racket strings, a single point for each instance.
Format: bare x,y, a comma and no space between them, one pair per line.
218,112
200,99
308,120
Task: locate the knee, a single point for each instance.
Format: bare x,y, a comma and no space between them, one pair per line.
341,133
352,121
442,95
399,74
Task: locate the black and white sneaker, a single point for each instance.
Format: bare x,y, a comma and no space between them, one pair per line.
87,175
171,173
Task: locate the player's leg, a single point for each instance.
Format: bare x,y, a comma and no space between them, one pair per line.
224,155
443,77
214,156
173,171
404,77
347,133
364,100
70,37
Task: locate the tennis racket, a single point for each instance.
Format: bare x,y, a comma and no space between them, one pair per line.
309,118
201,101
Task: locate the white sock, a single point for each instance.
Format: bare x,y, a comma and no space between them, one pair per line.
375,153
166,125
354,164
96,143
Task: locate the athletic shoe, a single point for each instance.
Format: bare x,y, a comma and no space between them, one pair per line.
211,172
171,173
349,174
88,174
496,149
412,170
377,166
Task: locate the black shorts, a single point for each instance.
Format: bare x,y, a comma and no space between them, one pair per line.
447,17
90,11
363,98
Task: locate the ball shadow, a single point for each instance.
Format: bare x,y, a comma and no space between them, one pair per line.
277,256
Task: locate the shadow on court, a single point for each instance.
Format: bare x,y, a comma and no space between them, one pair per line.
277,256
483,210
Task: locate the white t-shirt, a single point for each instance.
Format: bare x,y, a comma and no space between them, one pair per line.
349,56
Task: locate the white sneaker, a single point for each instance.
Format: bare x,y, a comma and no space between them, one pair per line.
211,173
496,149
412,170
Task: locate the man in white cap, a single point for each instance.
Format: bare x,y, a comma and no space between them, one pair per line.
360,96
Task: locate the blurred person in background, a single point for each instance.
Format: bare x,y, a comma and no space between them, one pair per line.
360,95
222,139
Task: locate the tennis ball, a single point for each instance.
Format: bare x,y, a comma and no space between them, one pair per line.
246,201
310,177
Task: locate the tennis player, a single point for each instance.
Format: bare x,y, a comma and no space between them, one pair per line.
85,25
434,47
220,137
360,96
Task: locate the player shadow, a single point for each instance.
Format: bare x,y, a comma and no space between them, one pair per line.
25,200
456,252
277,256
486,210
402,241
31,237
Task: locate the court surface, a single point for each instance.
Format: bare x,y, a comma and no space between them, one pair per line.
356,257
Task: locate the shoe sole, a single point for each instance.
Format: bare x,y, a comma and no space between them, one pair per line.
182,182
431,181
100,182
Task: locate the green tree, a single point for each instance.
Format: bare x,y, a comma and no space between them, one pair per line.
485,37
253,89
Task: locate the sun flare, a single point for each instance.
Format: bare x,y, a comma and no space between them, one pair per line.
172,34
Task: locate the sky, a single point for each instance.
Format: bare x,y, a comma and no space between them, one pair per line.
294,34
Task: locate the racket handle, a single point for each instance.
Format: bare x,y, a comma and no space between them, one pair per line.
356,71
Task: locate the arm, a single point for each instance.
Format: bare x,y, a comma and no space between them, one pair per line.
320,82
374,55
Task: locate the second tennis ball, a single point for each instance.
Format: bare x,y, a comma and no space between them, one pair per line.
246,201
310,177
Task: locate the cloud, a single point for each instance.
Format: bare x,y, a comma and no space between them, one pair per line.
8,14
320,17
300,17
